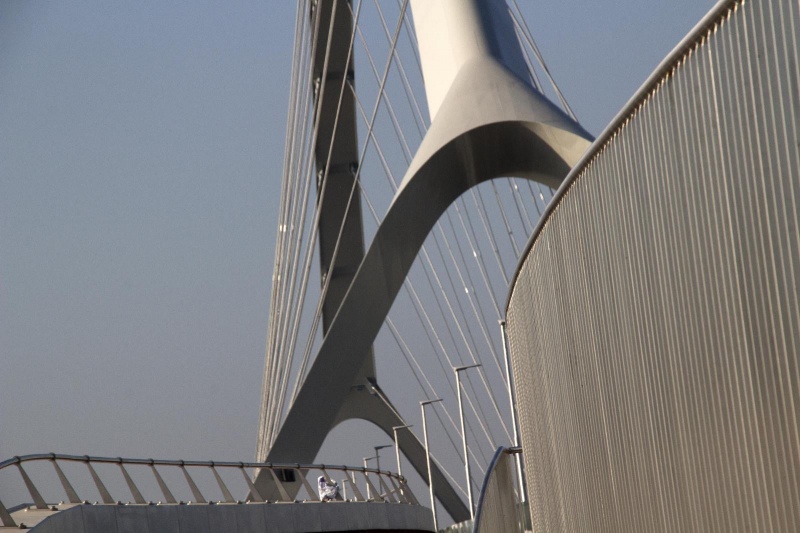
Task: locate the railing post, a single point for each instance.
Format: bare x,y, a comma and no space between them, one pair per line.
137,496
395,491
161,485
198,496
72,496
409,493
371,487
281,489
253,489
311,492
104,494
5,517
32,490
358,495
222,487
386,492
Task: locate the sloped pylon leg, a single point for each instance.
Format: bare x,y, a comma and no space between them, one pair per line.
488,121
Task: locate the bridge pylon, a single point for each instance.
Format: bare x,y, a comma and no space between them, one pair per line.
487,121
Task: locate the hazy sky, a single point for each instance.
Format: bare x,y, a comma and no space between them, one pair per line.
141,148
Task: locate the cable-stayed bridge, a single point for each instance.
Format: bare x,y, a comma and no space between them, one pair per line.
358,116
484,115
652,341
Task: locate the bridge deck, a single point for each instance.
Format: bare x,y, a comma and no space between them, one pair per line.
234,518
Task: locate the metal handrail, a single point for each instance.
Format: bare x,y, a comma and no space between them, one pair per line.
498,455
651,85
396,490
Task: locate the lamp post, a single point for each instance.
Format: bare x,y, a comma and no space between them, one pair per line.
428,458
514,418
458,370
377,458
397,446
377,449
365,474
378,455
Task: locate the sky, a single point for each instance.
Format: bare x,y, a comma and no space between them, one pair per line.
141,148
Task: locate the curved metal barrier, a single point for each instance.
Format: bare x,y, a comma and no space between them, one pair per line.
357,484
499,506
653,321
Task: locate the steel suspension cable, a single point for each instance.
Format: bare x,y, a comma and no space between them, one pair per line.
455,262
414,363
399,132
295,226
401,137
381,92
393,183
399,63
285,224
418,305
528,228
526,32
300,299
279,241
404,348
317,215
392,115
321,197
419,119
469,344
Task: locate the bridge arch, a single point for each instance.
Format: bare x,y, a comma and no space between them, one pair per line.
491,124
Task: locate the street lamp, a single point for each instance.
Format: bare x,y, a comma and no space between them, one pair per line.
428,457
514,417
397,446
377,458
458,370
378,455
369,495
381,484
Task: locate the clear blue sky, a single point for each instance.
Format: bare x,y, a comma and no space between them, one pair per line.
141,148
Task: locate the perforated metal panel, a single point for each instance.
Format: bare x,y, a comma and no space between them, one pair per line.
654,325
499,509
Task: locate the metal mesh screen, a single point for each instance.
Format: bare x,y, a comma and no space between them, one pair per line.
498,505
654,324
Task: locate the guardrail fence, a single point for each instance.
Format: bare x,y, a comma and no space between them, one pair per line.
356,484
500,509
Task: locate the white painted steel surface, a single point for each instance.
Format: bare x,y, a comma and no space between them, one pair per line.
499,506
451,33
653,324
233,518
492,123
141,492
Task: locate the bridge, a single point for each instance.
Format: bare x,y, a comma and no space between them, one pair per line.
651,323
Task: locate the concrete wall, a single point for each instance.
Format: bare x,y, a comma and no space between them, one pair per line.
654,325
244,518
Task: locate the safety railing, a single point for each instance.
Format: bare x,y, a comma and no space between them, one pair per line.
499,509
356,484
